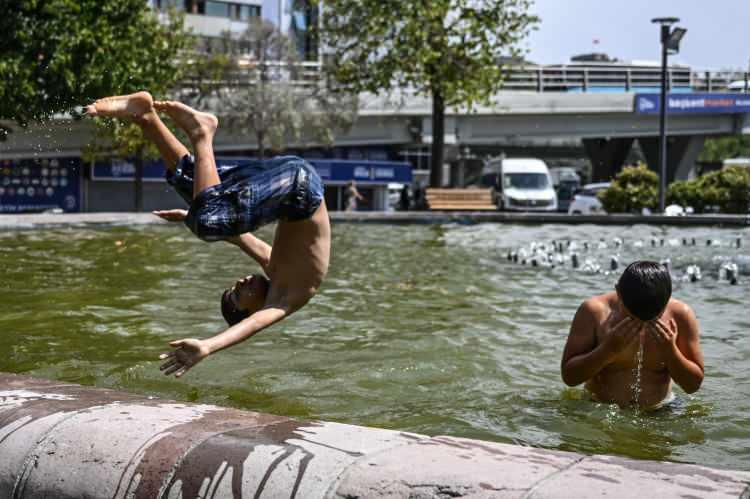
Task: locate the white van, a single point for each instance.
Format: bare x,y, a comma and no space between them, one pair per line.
521,184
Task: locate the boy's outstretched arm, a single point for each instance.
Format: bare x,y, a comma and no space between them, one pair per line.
258,250
189,352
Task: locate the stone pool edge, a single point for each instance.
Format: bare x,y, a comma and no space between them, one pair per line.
65,440
43,220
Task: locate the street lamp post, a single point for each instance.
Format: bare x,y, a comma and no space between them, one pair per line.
670,44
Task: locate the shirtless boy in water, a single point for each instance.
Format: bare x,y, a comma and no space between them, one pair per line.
227,204
605,337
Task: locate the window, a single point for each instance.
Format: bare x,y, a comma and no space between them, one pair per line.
217,9
166,4
525,180
195,6
242,12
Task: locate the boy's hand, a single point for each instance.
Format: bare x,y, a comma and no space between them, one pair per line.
665,334
185,355
619,336
176,215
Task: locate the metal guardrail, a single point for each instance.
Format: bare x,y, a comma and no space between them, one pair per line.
556,78
580,78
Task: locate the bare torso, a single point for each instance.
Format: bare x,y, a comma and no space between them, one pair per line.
617,382
299,259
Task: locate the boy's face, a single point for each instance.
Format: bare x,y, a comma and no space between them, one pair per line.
249,293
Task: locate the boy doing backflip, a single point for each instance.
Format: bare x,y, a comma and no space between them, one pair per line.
228,203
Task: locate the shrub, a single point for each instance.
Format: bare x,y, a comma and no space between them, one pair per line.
686,193
727,189
634,188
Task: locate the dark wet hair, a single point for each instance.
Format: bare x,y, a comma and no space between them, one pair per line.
645,288
231,314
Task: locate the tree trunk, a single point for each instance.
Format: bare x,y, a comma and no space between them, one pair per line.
139,181
260,137
438,140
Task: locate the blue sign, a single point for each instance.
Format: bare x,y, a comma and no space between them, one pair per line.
372,172
330,170
124,170
341,170
29,185
694,103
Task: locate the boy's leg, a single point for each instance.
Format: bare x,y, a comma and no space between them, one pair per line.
200,128
139,108
170,148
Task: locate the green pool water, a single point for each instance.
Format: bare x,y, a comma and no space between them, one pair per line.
420,328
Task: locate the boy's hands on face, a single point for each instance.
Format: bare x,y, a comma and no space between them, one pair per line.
665,333
620,335
176,215
185,355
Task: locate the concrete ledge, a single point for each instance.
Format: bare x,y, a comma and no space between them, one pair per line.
68,441
41,221
411,217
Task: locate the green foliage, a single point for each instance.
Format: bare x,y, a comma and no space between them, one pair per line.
58,54
452,48
633,189
686,193
722,148
727,190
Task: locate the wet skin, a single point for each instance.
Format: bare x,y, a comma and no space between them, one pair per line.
602,351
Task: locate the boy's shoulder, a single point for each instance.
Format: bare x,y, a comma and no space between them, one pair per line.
680,309
598,306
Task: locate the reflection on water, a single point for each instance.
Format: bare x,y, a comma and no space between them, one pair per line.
421,328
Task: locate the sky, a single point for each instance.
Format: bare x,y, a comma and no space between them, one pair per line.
718,35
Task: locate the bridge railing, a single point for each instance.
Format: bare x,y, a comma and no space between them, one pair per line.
549,78
576,78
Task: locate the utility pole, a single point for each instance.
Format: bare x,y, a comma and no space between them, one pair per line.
670,43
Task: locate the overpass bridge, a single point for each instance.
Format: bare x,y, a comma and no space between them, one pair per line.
605,124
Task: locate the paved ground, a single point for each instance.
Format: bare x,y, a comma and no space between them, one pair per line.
409,217
68,441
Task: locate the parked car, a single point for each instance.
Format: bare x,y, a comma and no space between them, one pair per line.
521,184
567,182
586,202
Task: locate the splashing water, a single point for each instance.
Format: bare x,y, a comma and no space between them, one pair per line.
636,386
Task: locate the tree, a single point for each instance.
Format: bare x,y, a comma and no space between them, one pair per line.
449,50
262,90
59,54
721,148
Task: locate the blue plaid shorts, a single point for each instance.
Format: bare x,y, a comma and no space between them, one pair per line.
252,193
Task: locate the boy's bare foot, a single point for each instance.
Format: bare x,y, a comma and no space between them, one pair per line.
196,124
133,107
